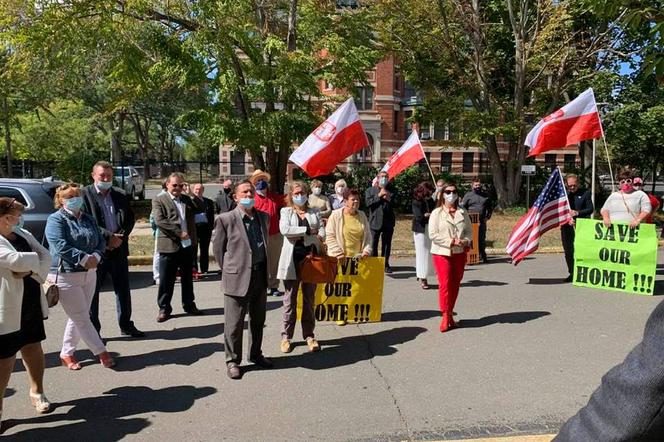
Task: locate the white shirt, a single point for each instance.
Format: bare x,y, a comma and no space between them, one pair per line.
181,211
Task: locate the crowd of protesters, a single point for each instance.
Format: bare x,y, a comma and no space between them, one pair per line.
258,237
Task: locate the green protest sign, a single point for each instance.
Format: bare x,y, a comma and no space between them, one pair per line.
616,258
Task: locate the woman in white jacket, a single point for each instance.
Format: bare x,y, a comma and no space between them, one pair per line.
303,233
450,231
24,264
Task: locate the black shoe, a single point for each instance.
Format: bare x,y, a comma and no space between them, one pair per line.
132,331
569,279
485,259
194,311
276,292
388,269
233,371
262,362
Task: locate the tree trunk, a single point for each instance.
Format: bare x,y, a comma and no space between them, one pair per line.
8,137
117,131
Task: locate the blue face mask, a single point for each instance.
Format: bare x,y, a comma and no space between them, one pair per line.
382,182
477,189
74,204
261,185
18,226
104,185
300,200
247,203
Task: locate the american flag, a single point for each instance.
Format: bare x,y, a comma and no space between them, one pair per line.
551,209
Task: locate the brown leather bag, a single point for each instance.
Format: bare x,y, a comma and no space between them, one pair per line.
319,269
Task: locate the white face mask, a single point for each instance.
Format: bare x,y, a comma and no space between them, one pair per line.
451,197
316,191
341,190
439,188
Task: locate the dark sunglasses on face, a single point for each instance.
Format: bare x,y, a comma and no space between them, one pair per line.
177,185
447,192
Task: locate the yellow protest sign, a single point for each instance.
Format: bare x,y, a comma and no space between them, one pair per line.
355,296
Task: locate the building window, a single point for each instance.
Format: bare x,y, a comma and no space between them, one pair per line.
395,123
439,131
397,82
364,97
408,124
570,162
237,163
366,154
550,160
446,162
468,160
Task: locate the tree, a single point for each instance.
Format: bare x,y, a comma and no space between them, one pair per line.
489,67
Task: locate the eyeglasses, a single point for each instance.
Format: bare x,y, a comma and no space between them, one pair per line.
627,181
447,192
177,185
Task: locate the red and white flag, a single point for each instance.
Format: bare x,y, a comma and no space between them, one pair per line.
338,137
408,154
577,121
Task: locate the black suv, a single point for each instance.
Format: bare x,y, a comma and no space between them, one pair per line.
36,196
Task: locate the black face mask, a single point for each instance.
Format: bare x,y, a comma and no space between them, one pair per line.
227,190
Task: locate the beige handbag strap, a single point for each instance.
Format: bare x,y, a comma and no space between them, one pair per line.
626,206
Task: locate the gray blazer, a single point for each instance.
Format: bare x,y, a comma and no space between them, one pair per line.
231,249
629,403
167,219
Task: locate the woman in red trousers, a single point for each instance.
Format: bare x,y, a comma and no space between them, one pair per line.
450,231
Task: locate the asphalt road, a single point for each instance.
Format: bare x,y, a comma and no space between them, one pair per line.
530,351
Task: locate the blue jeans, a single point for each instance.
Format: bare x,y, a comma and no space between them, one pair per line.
117,266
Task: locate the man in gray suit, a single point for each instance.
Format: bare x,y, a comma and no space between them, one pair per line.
173,213
381,202
240,246
628,404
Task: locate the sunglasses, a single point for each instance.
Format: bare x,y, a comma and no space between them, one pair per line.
627,181
447,192
177,185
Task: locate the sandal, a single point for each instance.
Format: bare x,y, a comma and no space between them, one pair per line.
40,402
70,362
106,359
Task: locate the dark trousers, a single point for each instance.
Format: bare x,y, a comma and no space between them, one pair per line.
115,264
202,250
481,239
567,238
386,244
236,308
169,264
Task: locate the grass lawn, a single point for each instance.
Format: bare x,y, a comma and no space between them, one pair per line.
499,228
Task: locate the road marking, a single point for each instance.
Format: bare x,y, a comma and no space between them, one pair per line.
534,438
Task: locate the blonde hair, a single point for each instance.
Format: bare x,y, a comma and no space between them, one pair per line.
316,183
291,188
340,182
64,192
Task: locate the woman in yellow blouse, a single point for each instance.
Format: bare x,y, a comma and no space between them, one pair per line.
450,231
348,231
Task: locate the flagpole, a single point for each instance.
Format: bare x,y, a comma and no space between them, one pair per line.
606,149
427,161
592,183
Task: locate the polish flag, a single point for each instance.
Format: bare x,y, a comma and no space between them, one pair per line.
338,137
410,153
577,121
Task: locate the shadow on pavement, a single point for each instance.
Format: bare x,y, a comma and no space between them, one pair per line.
659,288
175,356
347,350
177,333
547,281
103,414
480,283
406,275
502,318
417,315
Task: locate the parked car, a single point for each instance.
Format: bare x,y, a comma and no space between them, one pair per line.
133,182
37,196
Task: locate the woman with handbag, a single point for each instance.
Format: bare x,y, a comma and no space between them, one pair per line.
303,233
76,245
24,265
450,231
